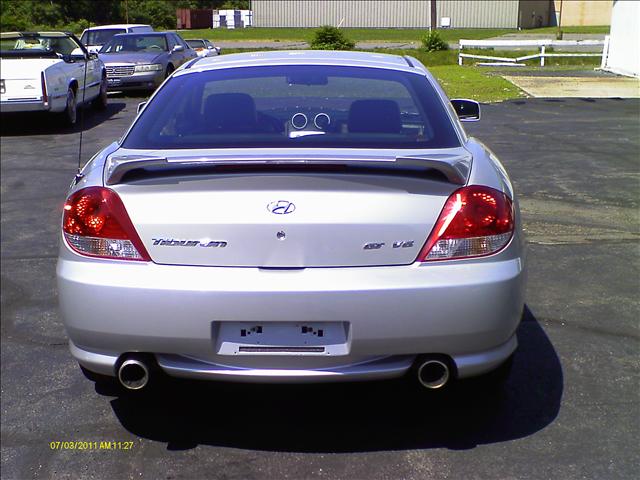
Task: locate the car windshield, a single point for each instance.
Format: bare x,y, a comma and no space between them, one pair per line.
135,43
100,37
295,106
196,43
38,44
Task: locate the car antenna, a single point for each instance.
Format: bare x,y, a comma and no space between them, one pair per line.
79,173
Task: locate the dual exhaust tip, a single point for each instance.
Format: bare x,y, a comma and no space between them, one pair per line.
432,373
133,373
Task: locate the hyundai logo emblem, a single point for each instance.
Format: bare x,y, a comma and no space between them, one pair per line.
281,207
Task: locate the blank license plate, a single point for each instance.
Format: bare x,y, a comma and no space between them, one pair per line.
281,338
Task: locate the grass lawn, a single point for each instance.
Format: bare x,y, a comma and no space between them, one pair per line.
370,34
356,34
450,57
470,82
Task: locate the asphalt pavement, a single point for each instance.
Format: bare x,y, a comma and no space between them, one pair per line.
570,409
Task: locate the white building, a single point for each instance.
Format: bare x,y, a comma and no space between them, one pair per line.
623,53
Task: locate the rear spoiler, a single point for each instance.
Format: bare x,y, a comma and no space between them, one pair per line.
455,169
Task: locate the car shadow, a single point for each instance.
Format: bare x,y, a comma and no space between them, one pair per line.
351,417
43,123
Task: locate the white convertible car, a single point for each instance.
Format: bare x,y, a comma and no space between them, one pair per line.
49,71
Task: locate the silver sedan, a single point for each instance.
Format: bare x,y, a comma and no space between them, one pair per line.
294,217
141,61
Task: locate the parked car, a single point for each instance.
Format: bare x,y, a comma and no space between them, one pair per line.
95,37
204,47
48,71
141,61
294,217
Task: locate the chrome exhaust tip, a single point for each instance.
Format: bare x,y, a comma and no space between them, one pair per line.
133,374
433,374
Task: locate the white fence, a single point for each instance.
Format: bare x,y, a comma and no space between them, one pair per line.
541,44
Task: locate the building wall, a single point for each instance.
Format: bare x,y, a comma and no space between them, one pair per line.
400,14
624,39
479,13
361,13
583,12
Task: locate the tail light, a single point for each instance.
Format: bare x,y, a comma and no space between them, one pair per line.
475,221
95,223
45,97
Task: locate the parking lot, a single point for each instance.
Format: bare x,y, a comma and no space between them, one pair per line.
571,408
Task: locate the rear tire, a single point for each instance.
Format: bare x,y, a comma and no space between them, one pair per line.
101,101
70,113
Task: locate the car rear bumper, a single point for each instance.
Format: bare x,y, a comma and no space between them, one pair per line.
10,106
466,310
377,368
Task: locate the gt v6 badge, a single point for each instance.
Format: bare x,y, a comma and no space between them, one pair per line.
398,244
170,242
281,207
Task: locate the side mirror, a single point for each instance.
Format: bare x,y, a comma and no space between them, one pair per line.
178,48
140,107
467,110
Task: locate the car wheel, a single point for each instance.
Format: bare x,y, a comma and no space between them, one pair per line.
100,102
71,109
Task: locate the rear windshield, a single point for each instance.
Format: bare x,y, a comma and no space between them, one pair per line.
294,106
100,37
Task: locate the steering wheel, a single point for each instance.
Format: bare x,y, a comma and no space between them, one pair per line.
154,47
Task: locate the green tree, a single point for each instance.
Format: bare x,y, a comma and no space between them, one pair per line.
433,42
73,14
330,38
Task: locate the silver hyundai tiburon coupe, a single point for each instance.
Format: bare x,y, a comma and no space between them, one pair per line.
301,216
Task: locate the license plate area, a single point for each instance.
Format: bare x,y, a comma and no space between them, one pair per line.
281,338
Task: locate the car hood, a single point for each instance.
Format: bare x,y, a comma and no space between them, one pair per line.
136,58
24,68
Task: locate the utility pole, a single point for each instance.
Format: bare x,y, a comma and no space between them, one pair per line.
433,15
559,32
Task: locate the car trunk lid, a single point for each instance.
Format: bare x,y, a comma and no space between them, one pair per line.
284,215
23,80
